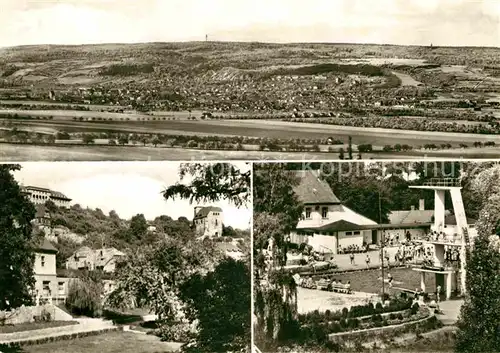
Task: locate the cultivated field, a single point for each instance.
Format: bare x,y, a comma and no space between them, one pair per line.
63,121
11,152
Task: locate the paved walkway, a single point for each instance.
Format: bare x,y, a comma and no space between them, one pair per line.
450,310
83,326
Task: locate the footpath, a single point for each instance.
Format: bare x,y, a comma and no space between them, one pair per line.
85,327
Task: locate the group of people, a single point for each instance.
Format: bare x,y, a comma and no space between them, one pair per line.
367,259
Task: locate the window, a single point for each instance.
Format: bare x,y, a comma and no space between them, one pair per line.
308,213
43,261
357,232
324,212
348,233
46,288
216,222
60,287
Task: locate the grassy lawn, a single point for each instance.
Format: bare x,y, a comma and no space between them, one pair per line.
34,326
115,342
370,281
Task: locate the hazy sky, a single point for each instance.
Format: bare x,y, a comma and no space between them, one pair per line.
128,188
441,22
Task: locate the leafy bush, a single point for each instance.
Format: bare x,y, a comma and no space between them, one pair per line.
175,332
46,316
345,312
414,309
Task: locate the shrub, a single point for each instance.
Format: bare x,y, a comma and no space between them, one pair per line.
400,316
343,323
175,332
353,323
46,316
84,296
379,307
328,314
335,327
414,309
345,312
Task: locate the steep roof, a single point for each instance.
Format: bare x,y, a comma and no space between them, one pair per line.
338,226
204,211
312,190
45,246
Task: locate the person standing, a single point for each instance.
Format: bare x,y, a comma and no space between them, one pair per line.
352,258
367,260
389,279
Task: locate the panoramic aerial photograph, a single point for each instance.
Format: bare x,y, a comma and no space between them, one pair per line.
183,80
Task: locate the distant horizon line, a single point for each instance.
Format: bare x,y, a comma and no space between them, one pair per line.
253,42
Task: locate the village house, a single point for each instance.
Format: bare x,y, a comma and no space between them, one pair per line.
326,224
48,286
40,196
85,258
207,221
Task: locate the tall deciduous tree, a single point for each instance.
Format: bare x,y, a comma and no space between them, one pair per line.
151,275
360,186
138,227
16,242
478,325
220,301
277,211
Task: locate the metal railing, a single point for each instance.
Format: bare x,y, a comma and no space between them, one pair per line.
446,182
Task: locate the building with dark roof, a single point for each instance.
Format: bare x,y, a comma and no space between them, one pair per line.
326,224
42,215
46,282
40,196
207,221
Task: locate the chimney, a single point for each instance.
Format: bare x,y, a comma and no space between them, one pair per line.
413,208
421,204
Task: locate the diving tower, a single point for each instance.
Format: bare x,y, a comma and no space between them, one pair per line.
444,238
